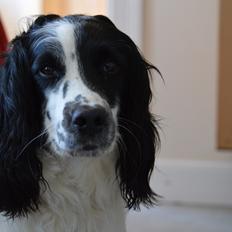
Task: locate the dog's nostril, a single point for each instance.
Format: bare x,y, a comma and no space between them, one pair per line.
89,118
80,121
99,121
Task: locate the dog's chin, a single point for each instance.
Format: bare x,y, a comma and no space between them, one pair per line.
86,150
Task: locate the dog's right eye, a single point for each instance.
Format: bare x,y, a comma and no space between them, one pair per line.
47,71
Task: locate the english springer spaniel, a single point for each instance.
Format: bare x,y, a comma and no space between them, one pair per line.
77,140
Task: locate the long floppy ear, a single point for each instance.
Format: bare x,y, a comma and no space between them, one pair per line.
20,169
139,134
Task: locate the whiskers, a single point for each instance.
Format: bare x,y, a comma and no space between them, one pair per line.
44,132
123,124
121,145
125,120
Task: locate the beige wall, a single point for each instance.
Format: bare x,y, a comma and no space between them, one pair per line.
91,7
15,13
181,39
64,7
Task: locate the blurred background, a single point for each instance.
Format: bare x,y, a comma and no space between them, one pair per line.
190,42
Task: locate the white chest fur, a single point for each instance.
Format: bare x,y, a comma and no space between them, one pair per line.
83,196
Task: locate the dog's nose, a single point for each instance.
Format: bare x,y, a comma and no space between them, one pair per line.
87,118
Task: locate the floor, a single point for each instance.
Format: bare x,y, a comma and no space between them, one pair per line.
176,218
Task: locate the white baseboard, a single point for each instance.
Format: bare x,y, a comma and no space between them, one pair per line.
194,182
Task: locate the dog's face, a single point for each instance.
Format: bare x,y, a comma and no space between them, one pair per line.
80,73
82,83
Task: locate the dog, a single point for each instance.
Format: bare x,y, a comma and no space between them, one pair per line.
77,139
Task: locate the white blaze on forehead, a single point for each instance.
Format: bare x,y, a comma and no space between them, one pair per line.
65,34
68,39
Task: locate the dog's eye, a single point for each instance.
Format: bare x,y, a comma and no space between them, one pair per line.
110,67
47,71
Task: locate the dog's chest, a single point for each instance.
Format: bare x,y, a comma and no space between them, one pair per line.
83,196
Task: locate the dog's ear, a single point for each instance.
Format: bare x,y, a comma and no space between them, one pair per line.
138,130
104,19
20,169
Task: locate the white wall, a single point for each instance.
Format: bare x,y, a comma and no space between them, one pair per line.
181,39
127,15
14,13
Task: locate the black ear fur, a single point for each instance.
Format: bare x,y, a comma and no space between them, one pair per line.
43,19
139,134
20,122
104,19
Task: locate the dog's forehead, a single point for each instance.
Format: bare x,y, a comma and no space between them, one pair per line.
65,33
67,38
50,34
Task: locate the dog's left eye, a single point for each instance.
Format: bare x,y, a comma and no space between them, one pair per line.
47,71
110,67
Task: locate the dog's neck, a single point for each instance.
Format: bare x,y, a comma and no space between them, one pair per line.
82,195
82,191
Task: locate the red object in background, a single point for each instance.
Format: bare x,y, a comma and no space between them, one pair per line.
3,41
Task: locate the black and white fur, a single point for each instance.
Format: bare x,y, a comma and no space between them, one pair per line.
77,140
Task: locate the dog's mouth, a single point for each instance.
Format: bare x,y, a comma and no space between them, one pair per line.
75,144
85,150
89,147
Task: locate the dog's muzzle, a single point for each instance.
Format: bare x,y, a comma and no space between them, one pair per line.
88,128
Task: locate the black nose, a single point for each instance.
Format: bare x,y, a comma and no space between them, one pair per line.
87,118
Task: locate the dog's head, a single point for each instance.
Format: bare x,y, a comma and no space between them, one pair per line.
76,86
